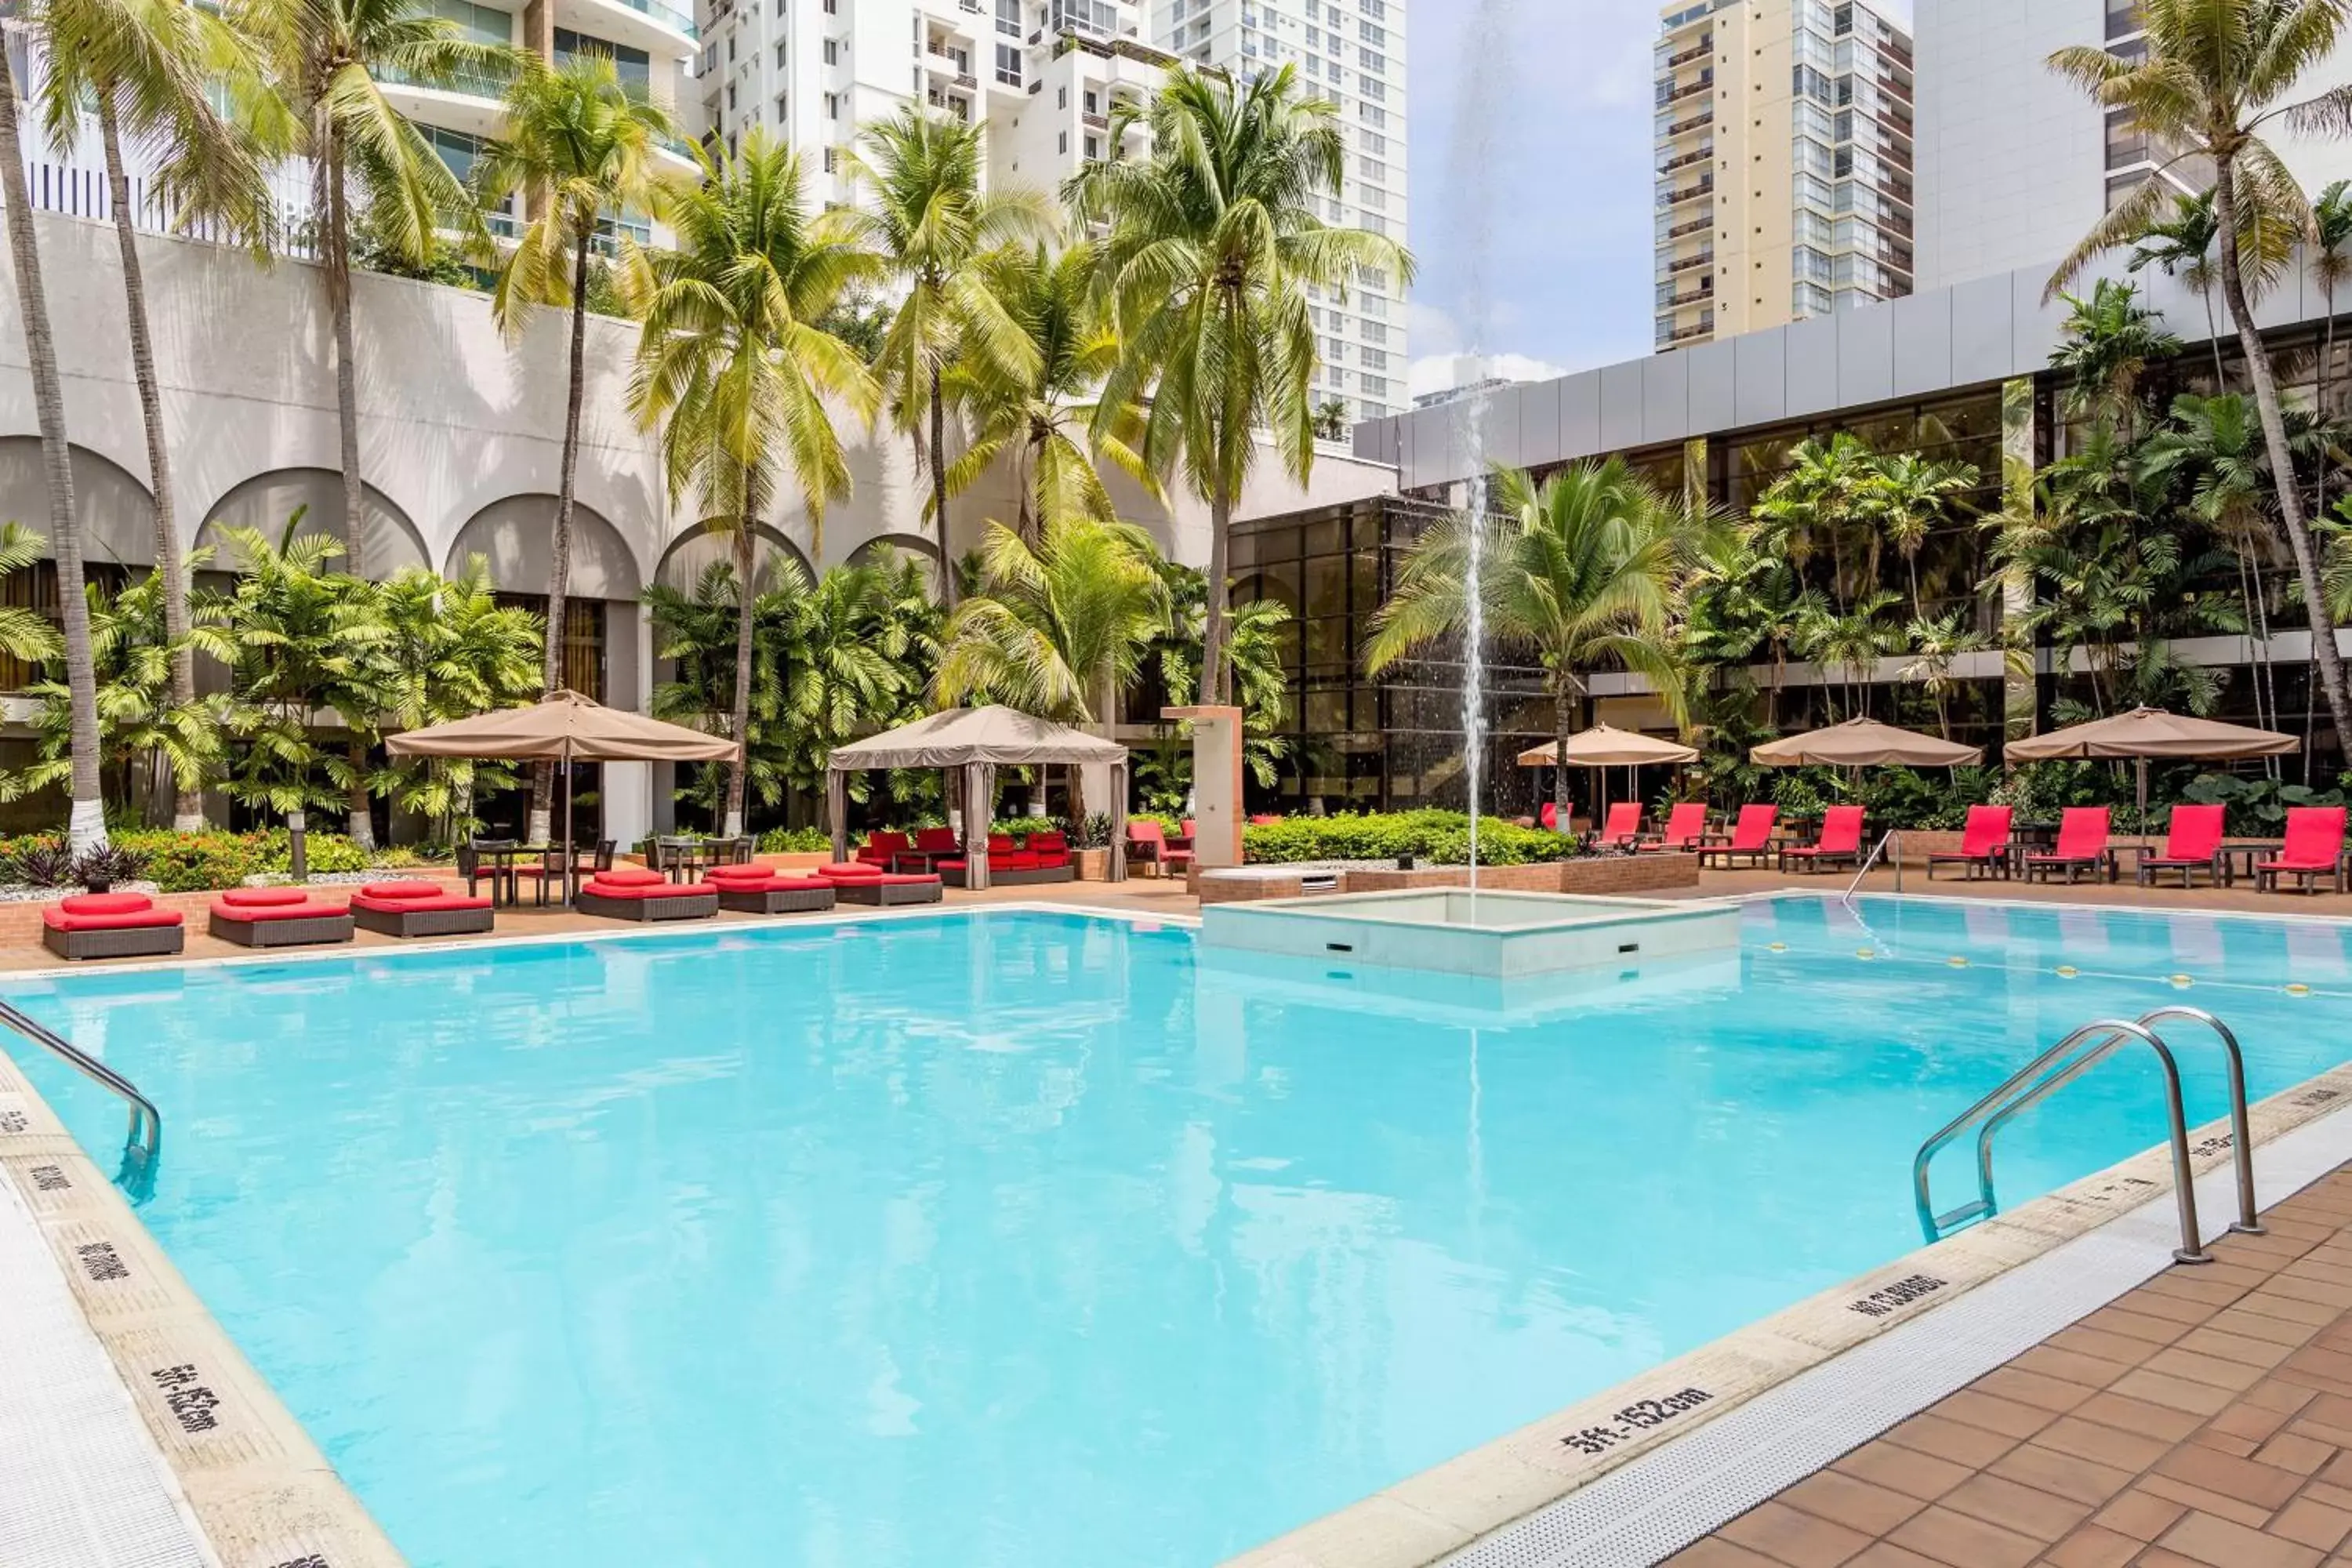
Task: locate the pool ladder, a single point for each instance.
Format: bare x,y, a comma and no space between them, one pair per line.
144,1146
2061,1064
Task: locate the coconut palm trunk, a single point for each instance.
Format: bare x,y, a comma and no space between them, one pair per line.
1216,680
187,804
939,489
2290,495
559,570
1563,724
740,723
86,827
337,242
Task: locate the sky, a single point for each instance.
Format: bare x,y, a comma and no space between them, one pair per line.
1531,189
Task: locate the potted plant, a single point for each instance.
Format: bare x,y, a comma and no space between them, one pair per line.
1090,847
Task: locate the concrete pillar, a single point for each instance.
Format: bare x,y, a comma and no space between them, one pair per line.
627,791
1216,783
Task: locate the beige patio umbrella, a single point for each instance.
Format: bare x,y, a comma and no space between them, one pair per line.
2145,732
566,727
979,740
1604,747
1864,743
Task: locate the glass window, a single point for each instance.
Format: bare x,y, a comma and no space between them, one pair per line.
634,67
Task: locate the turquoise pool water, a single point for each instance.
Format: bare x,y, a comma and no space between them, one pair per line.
1034,1239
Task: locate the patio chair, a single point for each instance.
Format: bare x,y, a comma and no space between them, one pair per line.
1550,816
586,861
2083,845
634,893
1622,827
1751,839
1148,845
1984,845
2192,843
2313,849
469,861
412,909
1685,829
881,848
1840,843
936,840
1046,858
112,925
276,917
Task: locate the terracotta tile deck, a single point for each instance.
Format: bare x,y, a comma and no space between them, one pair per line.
2202,1421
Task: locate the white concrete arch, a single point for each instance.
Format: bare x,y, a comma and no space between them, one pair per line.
691,552
516,535
270,501
114,510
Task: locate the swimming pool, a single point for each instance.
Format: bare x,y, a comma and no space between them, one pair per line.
1037,1239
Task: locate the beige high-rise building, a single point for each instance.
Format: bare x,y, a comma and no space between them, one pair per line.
1784,155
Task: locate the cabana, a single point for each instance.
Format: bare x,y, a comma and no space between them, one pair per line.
979,740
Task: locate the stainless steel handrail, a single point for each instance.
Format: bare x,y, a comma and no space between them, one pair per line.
2112,1033
1892,836
144,1146
2241,1143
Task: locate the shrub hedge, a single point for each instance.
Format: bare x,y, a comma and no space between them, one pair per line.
1440,838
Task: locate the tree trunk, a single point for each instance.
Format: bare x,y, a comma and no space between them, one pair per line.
744,541
2213,331
2290,496
1563,717
1214,675
360,823
939,490
338,242
188,802
86,827
559,569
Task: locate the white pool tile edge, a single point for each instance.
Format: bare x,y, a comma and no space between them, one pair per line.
196,1461
1512,1502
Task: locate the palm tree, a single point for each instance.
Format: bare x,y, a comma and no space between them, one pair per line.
2110,340
144,68
328,59
2331,264
931,223
1852,641
578,145
1040,411
1935,645
1331,420
1059,629
451,650
2216,74
731,365
1585,571
1825,502
2181,247
85,825
1910,495
1213,242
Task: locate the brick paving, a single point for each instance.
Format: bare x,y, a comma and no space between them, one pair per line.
2202,1421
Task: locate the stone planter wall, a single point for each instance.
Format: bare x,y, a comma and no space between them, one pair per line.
1611,877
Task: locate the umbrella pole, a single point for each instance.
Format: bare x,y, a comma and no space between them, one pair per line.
567,827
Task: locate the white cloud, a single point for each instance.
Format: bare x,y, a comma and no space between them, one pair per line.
1443,372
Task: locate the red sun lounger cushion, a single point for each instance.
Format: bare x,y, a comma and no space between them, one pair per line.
630,877
434,902
850,870
263,898
654,890
301,910
119,911
408,890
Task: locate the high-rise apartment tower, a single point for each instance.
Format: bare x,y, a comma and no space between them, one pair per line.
1784,153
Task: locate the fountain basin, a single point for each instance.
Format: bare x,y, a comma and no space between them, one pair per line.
1486,935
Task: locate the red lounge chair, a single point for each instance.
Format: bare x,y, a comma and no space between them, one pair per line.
1839,844
2313,849
1550,817
881,848
636,893
409,908
764,891
1265,819
112,925
857,884
2082,846
2192,843
936,840
1624,825
276,917
1984,845
1751,839
1047,858
1147,845
1686,828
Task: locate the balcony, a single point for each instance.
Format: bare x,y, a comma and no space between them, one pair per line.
1696,155
1685,263
1698,295
1696,225
655,27
1703,83
1687,193
1703,328
1699,121
681,150
1697,51
470,103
